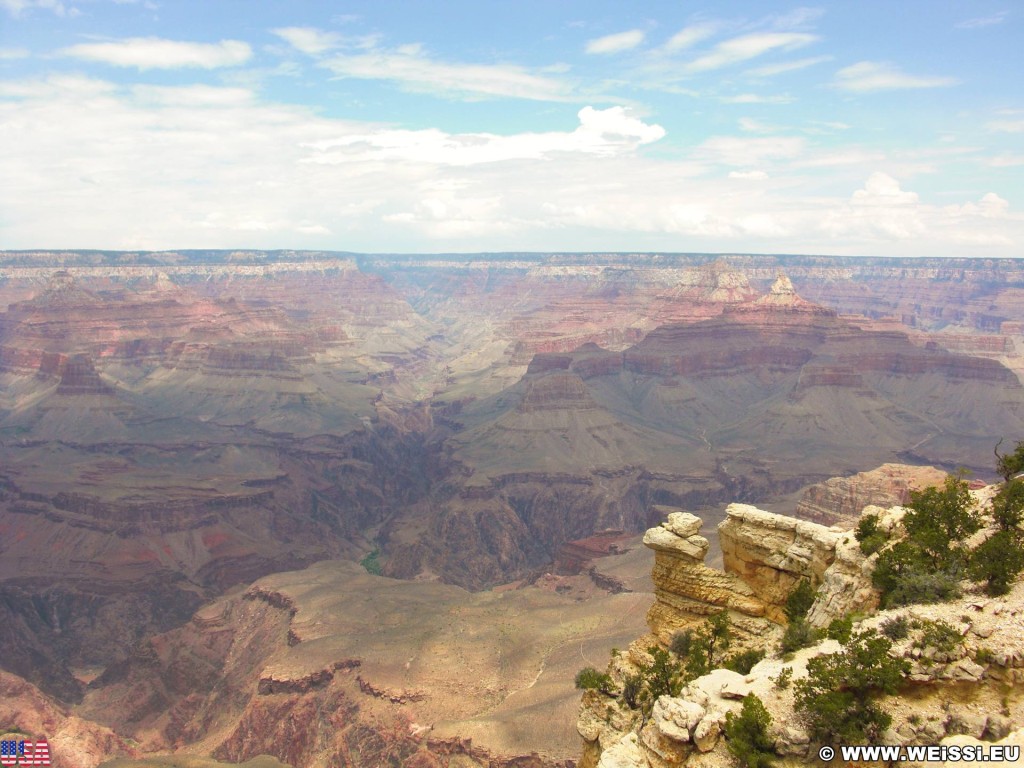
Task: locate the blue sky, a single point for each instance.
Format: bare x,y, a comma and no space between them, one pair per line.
873,128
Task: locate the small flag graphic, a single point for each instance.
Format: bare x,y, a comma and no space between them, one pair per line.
36,754
10,751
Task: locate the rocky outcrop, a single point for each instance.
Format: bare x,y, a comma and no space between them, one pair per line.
686,591
575,557
958,691
840,500
773,553
79,377
765,556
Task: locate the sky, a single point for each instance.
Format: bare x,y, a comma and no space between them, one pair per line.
848,128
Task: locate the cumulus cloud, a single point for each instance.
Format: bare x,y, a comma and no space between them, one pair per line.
600,132
621,41
750,175
869,76
158,53
882,189
882,211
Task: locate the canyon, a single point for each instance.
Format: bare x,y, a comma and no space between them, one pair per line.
198,448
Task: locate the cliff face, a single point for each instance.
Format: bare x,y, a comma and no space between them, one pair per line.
839,500
962,694
773,553
765,555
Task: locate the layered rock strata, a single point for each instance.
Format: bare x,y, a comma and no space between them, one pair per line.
840,500
765,555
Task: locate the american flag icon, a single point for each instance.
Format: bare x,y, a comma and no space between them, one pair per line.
35,754
15,753
10,751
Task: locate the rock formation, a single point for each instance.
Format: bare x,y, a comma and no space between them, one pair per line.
765,556
763,552
839,500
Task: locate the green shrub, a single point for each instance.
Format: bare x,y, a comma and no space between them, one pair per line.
840,629
905,575
939,520
632,687
896,628
744,662
708,644
784,678
799,600
870,536
984,656
681,642
589,679
372,563
799,634
939,635
662,676
1008,505
837,699
747,735
998,560
1010,464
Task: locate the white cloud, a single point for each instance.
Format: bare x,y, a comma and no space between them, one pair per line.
621,41
158,53
882,190
10,54
771,70
991,206
983,21
747,47
851,157
827,126
754,98
601,132
745,151
1006,161
884,212
756,126
308,39
411,68
18,7
751,175
203,166
869,76
193,95
690,36
1006,126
